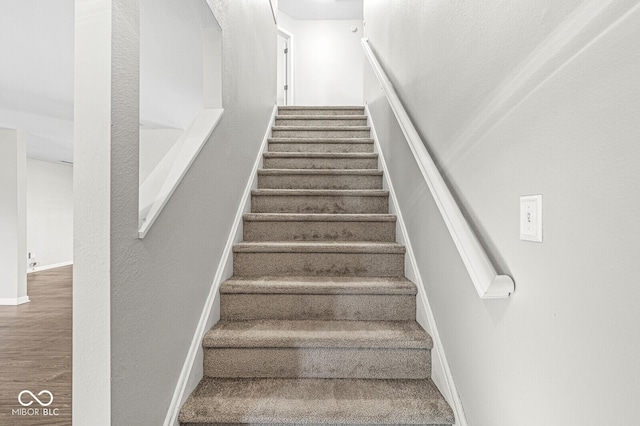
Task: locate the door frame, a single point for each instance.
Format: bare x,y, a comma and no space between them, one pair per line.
290,94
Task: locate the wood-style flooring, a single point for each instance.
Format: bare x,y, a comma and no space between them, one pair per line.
35,350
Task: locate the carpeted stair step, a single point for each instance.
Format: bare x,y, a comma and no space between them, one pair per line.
320,145
318,259
321,132
319,160
318,298
330,201
321,120
319,227
319,179
316,401
318,349
320,110
317,324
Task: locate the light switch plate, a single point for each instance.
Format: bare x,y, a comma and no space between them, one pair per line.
531,218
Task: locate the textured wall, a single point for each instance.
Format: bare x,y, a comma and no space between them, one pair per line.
91,207
515,98
159,284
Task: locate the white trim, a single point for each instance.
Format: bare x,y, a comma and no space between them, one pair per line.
181,392
14,301
47,267
189,146
424,315
274,8
291,100
487,282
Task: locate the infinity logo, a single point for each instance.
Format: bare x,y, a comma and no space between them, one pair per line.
26,404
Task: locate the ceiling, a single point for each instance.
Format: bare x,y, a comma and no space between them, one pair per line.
36,76
322,9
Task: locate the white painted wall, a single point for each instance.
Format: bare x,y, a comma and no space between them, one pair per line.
154,145
516,98
171,64
94,126
49,212
328,61
13,218
137,302
158,286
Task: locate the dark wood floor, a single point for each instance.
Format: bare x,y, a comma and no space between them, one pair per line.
35,349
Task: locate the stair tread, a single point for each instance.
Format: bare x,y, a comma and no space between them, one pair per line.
320,217
321,117
316,401
322,140
312,107
321,192
272,154
348,172
318,285
331,128
318,247
318,334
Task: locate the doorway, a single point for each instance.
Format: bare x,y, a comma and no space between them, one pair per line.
285,68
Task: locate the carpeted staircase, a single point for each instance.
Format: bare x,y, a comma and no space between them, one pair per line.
318,322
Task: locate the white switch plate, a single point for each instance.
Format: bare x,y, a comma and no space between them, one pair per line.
531,218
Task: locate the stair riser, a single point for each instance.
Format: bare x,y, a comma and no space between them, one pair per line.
316,402
321,133
294,181
319,163
321,422
324,307
318,264
319,231
320,147
336,111
324,363
318,204
321,122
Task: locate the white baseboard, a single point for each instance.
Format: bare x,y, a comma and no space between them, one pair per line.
14,301
441,373
189,378
46,267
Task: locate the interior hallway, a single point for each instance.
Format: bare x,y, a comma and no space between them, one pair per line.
35,350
